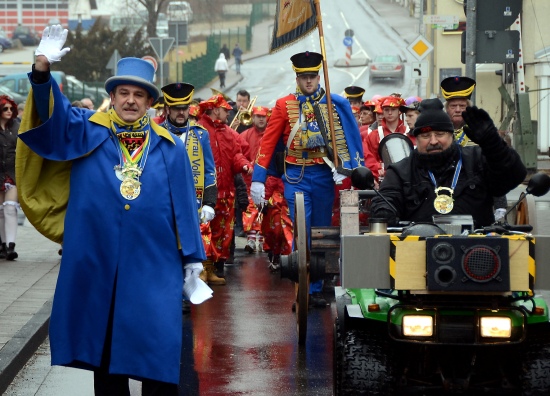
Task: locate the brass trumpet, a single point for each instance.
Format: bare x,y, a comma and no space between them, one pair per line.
244,116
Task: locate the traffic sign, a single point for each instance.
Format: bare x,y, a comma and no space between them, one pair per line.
113,60
151,60
348,41
349,33
161,46
420,47
441,21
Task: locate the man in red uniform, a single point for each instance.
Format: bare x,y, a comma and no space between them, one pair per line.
252,137
297,132
229,161
392,123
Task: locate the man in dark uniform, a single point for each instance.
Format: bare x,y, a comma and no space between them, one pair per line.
177,98
457,92
354,95
442,177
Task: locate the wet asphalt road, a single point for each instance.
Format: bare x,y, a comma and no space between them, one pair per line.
245,337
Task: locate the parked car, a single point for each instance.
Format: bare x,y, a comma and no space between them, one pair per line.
14,95
27,35
5,42
387,66
76,90
19,82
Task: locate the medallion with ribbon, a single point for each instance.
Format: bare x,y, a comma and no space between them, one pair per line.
444,202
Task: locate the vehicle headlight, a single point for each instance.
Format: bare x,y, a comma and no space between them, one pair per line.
492,326
418,325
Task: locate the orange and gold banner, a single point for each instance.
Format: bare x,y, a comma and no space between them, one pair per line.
294,19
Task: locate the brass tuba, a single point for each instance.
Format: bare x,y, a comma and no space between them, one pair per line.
244,116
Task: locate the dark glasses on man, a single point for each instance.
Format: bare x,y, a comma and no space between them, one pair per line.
7,109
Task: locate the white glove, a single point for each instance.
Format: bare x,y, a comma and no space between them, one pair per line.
500,214
207,214
51,44
337,177
192,270
257,190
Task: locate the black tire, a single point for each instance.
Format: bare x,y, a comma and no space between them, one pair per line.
367,366
535,373
1,48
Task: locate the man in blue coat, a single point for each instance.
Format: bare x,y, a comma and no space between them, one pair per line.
118,191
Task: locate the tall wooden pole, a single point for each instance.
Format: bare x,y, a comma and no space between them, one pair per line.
327,85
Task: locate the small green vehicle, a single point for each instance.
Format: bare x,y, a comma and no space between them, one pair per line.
422,312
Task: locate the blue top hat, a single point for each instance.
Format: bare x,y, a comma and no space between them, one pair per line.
134,71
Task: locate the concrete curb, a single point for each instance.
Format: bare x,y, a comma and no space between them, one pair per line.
17,351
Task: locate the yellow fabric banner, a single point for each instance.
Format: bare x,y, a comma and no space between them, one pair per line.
294,19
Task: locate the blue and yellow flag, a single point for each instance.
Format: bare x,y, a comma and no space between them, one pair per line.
294,19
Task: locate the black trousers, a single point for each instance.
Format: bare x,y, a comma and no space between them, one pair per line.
106,384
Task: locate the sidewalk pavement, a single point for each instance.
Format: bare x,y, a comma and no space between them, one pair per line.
26,291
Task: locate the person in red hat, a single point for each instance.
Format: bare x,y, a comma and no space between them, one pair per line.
251,138
392,123
230,161
366,116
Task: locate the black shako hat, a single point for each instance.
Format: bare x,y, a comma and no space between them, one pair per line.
307,63
354,92
432,117
178,94
457,87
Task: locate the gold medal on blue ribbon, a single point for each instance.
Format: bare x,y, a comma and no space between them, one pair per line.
444,203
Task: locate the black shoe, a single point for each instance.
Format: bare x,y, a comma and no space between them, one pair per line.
3,251
241,234
12,254
317,300
186,307
219,269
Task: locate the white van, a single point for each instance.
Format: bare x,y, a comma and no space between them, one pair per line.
179,11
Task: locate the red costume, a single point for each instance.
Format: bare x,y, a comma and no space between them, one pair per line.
229,161
250,140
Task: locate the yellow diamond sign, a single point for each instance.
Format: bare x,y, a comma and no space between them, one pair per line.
420,48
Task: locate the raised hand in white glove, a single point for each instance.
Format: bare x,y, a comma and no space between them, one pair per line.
337,177
207,214
51,44
192,270
257,191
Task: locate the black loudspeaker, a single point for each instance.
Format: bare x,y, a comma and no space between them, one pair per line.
468,264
